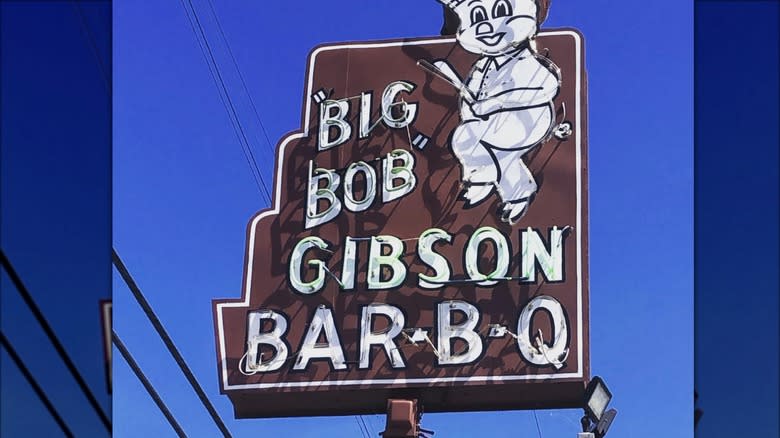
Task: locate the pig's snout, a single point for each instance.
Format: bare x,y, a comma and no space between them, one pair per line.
484,28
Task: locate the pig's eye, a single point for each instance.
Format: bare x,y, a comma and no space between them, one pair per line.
478,15
502,8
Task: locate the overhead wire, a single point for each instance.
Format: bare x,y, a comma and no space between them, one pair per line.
365,426
538,428
124,273
241,77
363,433
360,418
368,425
238,128
35,386
93,45
177,357
58,347
147,384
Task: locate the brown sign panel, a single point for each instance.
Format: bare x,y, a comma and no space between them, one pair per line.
391,266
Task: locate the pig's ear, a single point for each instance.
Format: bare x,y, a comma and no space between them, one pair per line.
451,22
542,7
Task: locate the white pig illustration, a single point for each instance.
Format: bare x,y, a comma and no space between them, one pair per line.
506,104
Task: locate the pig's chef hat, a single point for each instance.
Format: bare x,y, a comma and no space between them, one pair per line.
542,5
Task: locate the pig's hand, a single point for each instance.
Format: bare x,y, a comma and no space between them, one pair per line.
482,108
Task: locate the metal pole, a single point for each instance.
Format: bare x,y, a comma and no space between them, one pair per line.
402,419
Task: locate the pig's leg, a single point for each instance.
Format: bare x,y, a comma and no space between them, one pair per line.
480,172
516,185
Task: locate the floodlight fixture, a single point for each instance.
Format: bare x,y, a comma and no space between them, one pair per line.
597,419
597,397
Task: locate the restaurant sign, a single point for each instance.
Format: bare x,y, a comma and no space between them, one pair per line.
428,233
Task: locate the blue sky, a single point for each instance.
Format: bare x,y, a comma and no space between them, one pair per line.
747,403
55,192
183,194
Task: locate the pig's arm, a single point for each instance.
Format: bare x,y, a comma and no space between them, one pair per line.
447,72
444,70
538,92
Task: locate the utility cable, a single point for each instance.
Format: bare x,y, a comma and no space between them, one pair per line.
92,45
36,311
538,428
35,386
228,102
362,432
147,385
360,419
139,297
241,77
367,425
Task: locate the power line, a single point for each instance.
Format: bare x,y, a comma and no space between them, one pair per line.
35,386
168,341
147,385
362,432
227,101
369,425
538,429
241,77
36,311
93,46
363,420
360,419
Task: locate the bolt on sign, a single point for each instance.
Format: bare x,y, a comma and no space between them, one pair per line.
428,233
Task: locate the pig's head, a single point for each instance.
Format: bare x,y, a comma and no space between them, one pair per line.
495,27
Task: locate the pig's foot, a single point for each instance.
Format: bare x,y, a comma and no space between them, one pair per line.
474,193
513,211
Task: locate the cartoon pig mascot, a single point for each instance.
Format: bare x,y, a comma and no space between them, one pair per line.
506,105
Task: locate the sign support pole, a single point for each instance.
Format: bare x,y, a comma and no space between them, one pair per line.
403,419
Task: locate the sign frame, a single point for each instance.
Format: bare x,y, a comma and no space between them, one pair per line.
458,394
